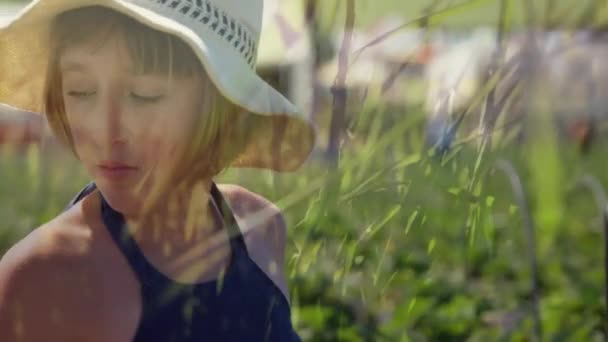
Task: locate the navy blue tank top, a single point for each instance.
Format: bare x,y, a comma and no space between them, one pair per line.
243,304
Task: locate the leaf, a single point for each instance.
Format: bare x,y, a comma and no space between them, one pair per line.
431,245
490,201
410,221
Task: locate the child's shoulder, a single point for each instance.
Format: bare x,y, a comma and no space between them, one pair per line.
264,230
243,200
48,280
64,236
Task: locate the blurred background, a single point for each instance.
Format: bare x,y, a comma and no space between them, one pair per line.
457,188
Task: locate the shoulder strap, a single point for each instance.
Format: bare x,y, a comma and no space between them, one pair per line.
85,191
234,231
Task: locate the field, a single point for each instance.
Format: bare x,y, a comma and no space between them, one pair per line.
396,244
399,243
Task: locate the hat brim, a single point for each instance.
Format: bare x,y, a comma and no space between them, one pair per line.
283,136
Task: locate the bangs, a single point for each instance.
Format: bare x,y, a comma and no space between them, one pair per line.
151,51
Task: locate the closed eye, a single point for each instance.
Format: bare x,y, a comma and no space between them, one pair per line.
80,94
148,99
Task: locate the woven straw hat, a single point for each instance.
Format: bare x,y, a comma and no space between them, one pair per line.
224,35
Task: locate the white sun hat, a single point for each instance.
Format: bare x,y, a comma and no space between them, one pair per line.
224,35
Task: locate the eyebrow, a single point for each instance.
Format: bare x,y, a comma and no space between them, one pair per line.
72,66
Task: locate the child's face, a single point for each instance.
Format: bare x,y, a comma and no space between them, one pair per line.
126,128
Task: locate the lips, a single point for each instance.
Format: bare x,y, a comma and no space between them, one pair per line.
114,165
116,171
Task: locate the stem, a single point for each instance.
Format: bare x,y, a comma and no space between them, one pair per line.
421,19
312,22
601,199
507,168
339,87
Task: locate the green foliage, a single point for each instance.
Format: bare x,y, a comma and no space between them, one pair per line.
395,244
398,243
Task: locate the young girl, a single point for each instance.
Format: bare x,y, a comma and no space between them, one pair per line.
155,98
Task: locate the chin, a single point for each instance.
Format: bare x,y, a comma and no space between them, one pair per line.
120,197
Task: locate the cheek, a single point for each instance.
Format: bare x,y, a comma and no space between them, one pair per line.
81,127
161,140
80,133
84,135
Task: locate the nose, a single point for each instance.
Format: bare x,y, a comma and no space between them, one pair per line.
113,121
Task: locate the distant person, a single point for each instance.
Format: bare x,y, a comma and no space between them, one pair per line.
155,98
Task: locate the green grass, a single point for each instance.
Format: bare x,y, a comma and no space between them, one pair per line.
466,14
394,245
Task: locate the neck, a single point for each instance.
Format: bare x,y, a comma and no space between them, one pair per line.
182,235
183,217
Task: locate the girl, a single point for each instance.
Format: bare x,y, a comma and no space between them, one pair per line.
155,98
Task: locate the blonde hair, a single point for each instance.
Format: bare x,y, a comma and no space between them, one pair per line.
220,131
